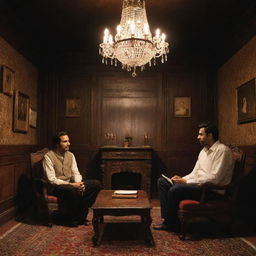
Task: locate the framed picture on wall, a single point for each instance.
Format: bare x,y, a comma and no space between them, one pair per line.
182,107
7,81
246,102
73,107
32,117
21,112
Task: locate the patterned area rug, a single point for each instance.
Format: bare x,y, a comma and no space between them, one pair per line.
26,239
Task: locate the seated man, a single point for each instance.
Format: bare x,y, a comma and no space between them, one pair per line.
66,182
215,164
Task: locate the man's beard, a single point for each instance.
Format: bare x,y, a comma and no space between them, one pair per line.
202,143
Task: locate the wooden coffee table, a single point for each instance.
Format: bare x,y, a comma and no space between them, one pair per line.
106,205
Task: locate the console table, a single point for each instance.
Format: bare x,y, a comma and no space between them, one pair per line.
131,159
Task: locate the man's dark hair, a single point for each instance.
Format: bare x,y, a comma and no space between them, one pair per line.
56,138
210,128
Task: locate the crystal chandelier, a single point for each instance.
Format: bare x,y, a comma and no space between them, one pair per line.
133,44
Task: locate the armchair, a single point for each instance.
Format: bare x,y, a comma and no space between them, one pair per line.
190,209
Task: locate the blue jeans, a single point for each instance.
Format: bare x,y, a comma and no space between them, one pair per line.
170,197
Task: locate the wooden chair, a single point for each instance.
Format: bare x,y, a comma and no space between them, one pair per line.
44,204
191,209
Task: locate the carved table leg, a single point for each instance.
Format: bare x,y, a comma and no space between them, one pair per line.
98,229
146,222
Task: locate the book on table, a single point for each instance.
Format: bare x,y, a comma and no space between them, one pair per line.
125,194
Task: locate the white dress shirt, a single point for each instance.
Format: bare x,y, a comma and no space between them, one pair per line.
50,172
214,165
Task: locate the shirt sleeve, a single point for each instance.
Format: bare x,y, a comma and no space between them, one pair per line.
50,172
76,174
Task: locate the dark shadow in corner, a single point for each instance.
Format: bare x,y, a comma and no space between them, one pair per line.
158,167
94,171
246,201
23,201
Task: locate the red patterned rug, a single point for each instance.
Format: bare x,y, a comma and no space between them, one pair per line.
26,239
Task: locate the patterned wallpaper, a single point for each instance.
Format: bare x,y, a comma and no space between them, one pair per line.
26,76
235,72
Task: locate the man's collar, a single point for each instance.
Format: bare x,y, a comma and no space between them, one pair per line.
213,147
59,153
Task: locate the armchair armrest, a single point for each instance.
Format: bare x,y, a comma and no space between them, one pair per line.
210,186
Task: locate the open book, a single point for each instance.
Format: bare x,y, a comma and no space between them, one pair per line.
168,179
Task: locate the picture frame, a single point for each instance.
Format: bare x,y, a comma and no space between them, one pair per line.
246,102
7,81
21,112
33,117
73,107
182,107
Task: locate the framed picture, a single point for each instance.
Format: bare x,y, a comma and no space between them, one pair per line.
182,107
73,107
7,81
21,112
246,102
32,117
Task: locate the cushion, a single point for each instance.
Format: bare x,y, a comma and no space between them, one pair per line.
52,199
184,203
193,205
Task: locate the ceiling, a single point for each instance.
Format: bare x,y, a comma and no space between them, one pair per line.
203,31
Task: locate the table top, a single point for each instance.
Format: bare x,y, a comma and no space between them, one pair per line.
105,201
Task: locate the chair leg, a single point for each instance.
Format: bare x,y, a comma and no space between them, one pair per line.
49,218
183,229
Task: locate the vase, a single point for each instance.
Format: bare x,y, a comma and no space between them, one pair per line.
126,144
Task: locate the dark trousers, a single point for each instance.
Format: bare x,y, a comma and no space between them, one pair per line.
75,203
171,195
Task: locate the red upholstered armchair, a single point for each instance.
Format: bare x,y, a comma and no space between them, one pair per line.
44,204
191,209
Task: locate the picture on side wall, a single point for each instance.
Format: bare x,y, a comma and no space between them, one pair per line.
7,81
246,102
21,112
182,106
32,117
73,107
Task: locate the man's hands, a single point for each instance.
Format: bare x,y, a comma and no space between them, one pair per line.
178,180
79,186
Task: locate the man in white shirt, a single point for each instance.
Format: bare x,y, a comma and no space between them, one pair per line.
65,181
215,164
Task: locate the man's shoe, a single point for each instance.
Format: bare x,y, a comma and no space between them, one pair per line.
161,227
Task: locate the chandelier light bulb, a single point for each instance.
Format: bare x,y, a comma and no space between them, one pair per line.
110,39
118,29
133,45
106,32
158,32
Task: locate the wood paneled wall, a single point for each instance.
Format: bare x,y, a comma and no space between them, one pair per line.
14,169
114,102
125,106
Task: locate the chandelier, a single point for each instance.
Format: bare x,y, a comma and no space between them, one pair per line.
133,44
